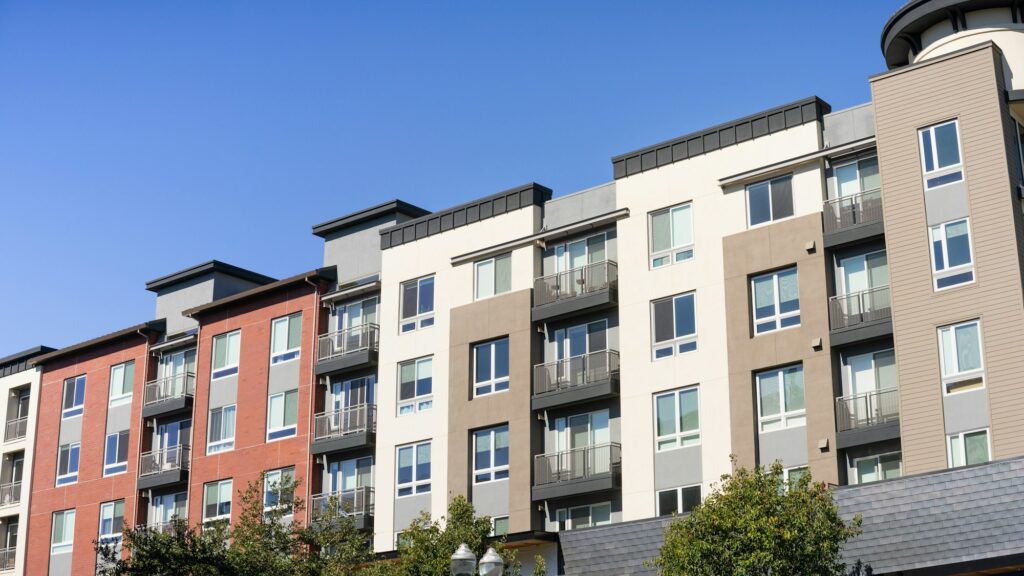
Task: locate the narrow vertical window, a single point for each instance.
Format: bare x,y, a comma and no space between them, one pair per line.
776,300
417,305
490,454
769,201
122,377
952,263
674,323
225,354
221,435
671,235
63,532
413,469
282,415
490,367
967,448
940,154
493,276
115,459
217,501
74,397
960,354
285,338
780,398
67,464
415,385
677,419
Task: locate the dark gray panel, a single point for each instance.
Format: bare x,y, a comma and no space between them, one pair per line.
590,392
862,436
163,479
852,235
591,302
357,441
589,485
647,161
664,156
168,407
353,361
861,333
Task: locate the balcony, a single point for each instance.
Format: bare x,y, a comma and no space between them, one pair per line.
158,527
357,503
10,493
583,378
867,418
347,349
164,467
345,429
16,429
169,395
7,558
852,218
577,471
860,316
591,287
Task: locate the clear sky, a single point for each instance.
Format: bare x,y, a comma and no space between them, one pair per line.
140,138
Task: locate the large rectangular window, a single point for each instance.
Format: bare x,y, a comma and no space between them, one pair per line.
115,459
940,154
677,419
951,254
493,276
584,516
122,377
671,237
63,532
876,468
674,321
678,500
776,300
413,469
960,353
67,464
74,397
490,454
967,448
417,304
221,435
278,487
217,501
769,201
282,415
780,398
490,367
855,177
415,385
225,354
285,338
111,522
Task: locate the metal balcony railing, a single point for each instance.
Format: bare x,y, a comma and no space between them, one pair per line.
16,429
577,463
7,556
160,527
861,307
574,372
164,460
865,410
347,502
10,493
575,283
337,423
852,211
170,387
355,339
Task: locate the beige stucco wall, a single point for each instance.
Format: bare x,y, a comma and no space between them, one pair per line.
994,24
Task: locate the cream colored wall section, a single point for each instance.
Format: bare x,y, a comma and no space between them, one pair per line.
8,385
453,286
994,24
717,213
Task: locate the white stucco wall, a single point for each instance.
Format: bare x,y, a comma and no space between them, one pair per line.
7,385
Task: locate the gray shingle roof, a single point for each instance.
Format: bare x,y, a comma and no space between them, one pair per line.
613,550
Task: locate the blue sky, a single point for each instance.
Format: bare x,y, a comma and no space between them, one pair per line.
139,138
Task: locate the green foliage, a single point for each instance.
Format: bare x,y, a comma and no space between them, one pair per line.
751,526
336,547
176,550
540,567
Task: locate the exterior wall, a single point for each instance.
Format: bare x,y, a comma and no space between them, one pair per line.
966,86
993,24
92,488
9,386
356,251
579,206
172,300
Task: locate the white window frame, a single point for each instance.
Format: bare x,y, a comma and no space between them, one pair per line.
949,271
78,408
787,472
289,354
566,513
63,546
117,467
779,316
269,478
783,416
950,382
860,180
491,471
678,437
220,485
121,397
677,252
878,465
69,477
678,345
491,385
111,509
959,438
419,320
771,194
493,261
679,498
224,444
230,368
417,403
416,483
285,430
494,525
936,171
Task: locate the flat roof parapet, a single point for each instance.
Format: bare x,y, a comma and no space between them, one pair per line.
203,269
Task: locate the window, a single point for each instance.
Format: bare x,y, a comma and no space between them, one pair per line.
951,254
414,469
121,378
222,430
274,483
63,535
217,501
499,526
282,415
490,454
67,464
74,397
875,468
584,516
678,500
856,177
671,235
111,522
677,419
780,398
490,367
968,448
225,354
285,338
770,201
675,325
115,460
790,476
417,304
1020,151
493,276
415,385
940,153
776,300
960,353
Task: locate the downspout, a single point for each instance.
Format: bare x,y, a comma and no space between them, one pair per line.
142,423
308,491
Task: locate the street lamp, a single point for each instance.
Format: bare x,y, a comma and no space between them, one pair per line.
491,564
463,561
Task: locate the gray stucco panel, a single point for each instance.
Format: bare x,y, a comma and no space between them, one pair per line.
70,430
491,498
60,564
789,446
409,508
223,392
946,203
119,418
283,376
679,467
579,206
966,411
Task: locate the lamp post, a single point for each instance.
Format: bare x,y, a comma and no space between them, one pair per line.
464,563
492,564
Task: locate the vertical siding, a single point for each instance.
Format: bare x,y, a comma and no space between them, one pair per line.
965,86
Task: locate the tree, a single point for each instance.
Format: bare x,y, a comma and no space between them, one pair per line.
265,539
752,525
177,549
333,545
